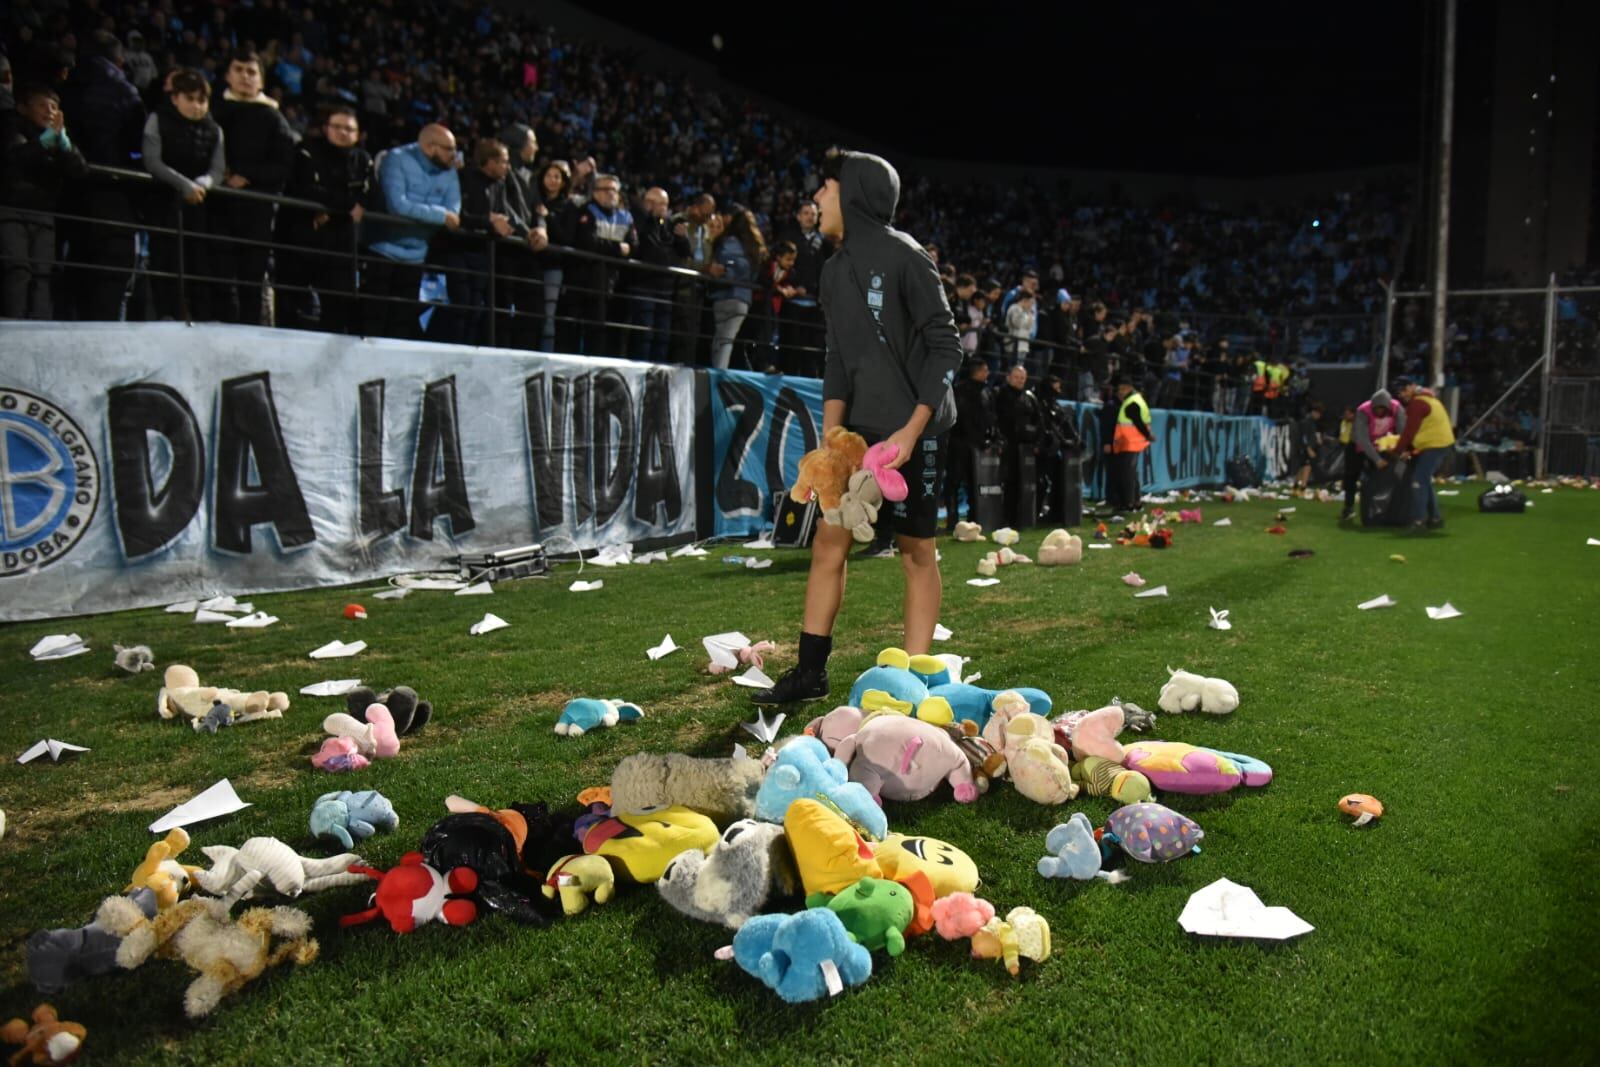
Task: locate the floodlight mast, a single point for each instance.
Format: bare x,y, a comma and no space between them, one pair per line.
1441,252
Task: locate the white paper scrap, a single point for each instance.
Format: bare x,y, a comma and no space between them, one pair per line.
219,800
688,550
723,649
1547,490
406,581
480,589
488,624
755,678
764,731
980,582
1099,544
613,555
1159,590
1448,492
254,621
1227,909
392,594
587,587
207,615
1448,611
941,632
335,688
651,557
1286,511
760,542
224,603
1384,601
1594,540
183,607
1223,522
54,748
755,564
58,646
337,650
667,645
1219,620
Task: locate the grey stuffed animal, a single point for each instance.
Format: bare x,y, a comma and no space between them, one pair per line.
721,789
57,958
1134,717
135,659
731,883
220,715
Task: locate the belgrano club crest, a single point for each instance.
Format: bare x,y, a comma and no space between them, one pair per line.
49,482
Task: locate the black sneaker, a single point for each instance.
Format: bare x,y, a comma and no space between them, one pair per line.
1347,515
876,550
1435,524
796,685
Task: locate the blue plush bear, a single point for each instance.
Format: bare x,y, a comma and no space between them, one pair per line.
586,713
1074,851
350,817
976,704
899,683
793,954
804,769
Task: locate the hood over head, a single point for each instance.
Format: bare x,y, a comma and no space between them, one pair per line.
869,190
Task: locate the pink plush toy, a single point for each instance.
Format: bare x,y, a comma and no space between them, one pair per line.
901,758
1192,515
374,738
339,754
749,656
1176,767
960,915
891,483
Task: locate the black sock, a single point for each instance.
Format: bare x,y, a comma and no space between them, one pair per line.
814,651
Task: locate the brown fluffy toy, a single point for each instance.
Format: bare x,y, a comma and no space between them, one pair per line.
825,471
48,1040
228,954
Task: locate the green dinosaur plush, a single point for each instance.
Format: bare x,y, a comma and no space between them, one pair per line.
875,911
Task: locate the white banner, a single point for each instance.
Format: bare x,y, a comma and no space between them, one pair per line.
146,463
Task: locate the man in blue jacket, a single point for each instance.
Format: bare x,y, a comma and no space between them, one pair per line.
892,353
419,182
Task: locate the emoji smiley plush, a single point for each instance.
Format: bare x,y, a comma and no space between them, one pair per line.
640,845
948,869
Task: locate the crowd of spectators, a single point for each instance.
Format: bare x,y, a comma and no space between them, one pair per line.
489,123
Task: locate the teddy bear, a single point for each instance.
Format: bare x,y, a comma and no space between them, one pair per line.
578,878
750,863
375,735
724,789
960,915
587,713
135,658
227,953
858,507
1193,692
969,531
238,873
801,957
1022,934
1060,548
1039,770
825,471
350,817
47,1040
408,712
803,770
900,758
414,893
161,873
182,693
986,761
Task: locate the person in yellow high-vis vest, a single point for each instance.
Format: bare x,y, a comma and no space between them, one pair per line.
1427,438
1131,437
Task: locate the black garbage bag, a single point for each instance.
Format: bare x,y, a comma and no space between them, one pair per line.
1503,499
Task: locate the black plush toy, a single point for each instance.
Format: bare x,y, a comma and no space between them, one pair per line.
480,841
410,714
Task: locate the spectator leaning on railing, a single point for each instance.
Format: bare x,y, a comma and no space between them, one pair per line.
664,245
335,171
559,216
419,182
605,227
736,252
184,150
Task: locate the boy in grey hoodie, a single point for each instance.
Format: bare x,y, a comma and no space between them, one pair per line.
892,353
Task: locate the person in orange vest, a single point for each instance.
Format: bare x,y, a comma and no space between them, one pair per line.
1131,437
1427,438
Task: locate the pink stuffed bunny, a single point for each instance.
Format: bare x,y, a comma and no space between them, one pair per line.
891,483
749,656
960,915
339,754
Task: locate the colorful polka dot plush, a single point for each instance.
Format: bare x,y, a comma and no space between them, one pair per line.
1151,833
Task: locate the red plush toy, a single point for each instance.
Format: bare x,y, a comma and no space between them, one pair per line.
414,893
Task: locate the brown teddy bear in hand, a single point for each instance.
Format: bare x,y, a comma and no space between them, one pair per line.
825,471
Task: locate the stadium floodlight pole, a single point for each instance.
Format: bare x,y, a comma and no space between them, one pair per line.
1447,93
1541,458
1388,333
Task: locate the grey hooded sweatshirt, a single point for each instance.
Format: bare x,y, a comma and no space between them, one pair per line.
892,342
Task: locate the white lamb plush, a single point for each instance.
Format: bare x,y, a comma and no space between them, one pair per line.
1192,692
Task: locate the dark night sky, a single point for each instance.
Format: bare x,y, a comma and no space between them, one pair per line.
1247,89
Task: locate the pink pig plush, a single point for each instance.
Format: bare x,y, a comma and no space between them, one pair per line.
891,483
960,915
900,758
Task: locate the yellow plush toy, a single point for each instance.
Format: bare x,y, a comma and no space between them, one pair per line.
948,868
825,471
827,850
182,693
641,845
1022,934
161,873
576,879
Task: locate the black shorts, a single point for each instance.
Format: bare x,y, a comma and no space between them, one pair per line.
918,514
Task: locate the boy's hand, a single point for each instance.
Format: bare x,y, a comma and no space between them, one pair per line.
905,439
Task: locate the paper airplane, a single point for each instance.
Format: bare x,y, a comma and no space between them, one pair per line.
337,650
651,557
58,646
754,564
392,594
256,621
488,624
613,555
207,615
760,542
1227,909
219,800
1448,611
55,749
1159,590
1223,522
587,587
1594,540
755,678
445,584
183,607
941,632
1384,601
336,688
688,550
983,581
723,649
481,589
1219,620
666,646
1132,578
764,731
224,603
1448,492
1099,544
